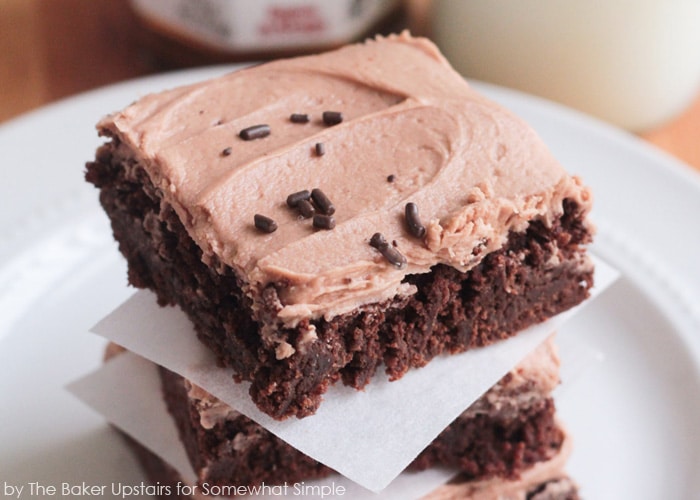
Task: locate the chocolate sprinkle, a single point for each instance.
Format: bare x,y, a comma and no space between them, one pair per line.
226,151
306,209
294,198
378,241
324,205
299,118
324,221
320,149
391,178
332,117
254,132
265,224
390,253
415,227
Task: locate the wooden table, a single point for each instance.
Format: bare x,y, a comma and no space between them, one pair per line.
51,49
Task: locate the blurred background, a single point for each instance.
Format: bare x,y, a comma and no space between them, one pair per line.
635,64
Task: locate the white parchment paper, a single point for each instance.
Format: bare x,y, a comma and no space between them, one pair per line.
368,436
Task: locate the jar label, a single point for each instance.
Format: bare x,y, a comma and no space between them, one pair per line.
242,25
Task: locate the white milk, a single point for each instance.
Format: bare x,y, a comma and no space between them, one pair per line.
634,63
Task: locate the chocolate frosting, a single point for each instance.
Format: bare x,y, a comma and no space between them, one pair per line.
474,170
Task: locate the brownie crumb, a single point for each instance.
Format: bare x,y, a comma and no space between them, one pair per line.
391,178
320,149
227,151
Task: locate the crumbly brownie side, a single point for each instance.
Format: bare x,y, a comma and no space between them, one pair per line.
483,446
537,274
231,449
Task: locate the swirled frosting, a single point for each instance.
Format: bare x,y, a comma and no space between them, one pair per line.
474,170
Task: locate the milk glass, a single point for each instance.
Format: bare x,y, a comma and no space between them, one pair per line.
634,63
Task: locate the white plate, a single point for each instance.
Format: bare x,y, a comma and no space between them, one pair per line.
635,416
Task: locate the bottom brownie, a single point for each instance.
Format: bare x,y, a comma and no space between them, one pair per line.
508,441
505,432
547,483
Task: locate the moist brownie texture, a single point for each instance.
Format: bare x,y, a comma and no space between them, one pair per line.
497,242
503,440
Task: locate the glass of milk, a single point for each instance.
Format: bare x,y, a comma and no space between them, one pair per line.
633,63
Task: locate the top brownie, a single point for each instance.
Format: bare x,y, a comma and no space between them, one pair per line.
405,185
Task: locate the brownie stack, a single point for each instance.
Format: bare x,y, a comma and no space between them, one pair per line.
324,217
